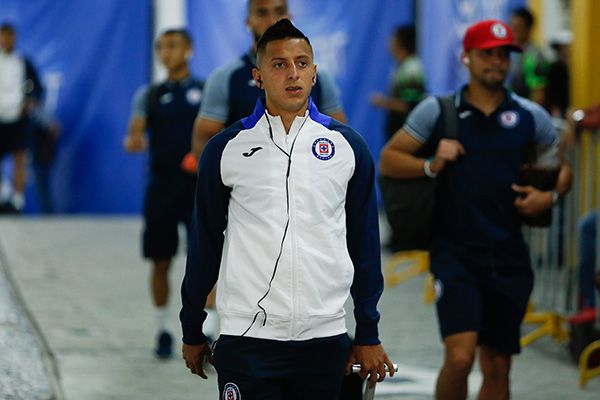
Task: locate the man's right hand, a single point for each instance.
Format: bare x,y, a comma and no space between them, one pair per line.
194,356
448,151
135,143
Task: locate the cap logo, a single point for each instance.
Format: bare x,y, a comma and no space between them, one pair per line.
499,31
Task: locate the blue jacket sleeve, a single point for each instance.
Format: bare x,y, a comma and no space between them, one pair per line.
362,227
209,221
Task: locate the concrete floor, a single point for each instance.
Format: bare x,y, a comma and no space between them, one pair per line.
84,283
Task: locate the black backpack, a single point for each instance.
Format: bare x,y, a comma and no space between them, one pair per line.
410,203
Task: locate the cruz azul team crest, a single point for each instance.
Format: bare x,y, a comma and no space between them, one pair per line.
509,119
323,149
231,392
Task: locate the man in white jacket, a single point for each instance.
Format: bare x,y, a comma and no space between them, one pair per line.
286,219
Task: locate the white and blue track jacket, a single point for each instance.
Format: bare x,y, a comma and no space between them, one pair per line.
288,225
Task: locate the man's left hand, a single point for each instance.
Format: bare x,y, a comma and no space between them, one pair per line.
531,201
373,360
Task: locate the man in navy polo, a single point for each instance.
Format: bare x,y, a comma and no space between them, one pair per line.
478,254
166,112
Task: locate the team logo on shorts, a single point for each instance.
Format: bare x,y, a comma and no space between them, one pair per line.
499,31
231,392
509,119
193,95
438,288
323,149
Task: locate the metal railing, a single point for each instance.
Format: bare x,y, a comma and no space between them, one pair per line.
555,253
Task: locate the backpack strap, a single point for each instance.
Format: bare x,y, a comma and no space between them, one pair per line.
449,115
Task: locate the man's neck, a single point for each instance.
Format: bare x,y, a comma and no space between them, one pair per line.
287,118
484,99
179,73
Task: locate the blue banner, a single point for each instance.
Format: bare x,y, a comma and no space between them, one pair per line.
91,56
442,25
350,39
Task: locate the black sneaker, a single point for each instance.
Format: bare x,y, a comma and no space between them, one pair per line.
164,346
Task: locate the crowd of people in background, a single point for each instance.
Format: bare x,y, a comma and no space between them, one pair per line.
478,254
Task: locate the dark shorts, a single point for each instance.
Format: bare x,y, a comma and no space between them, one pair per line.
169,201
259,369
483,291
13,137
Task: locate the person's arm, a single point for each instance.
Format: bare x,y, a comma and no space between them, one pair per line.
204,129
209,220
331,103
532,201
135,139
213,110
397,157
362,237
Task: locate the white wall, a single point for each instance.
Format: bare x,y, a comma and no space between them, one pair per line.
168,14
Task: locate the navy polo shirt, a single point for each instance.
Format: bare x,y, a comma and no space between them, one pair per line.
475,201
170,109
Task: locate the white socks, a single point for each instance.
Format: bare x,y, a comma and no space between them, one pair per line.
162,318
18,200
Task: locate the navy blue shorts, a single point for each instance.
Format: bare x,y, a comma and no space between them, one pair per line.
260,369
484,292
169,201
13,136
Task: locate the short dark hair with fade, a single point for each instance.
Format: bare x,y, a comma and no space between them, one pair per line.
6,27
283,29
181,32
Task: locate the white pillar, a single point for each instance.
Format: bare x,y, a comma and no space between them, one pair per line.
168,14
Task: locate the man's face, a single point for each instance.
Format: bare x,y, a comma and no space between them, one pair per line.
397,50
7,41
263,14
171,50
520,29
490,66
287,73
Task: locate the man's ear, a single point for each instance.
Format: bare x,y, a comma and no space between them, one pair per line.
257,78
314,77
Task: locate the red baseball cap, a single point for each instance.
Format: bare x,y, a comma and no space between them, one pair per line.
489,34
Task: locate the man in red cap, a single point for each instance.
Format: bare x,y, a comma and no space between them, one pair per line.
478,255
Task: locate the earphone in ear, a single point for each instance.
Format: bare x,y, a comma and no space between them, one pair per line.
466,60
259,83
314,80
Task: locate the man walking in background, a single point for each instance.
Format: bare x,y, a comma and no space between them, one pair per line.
162,119
20,91
478,256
